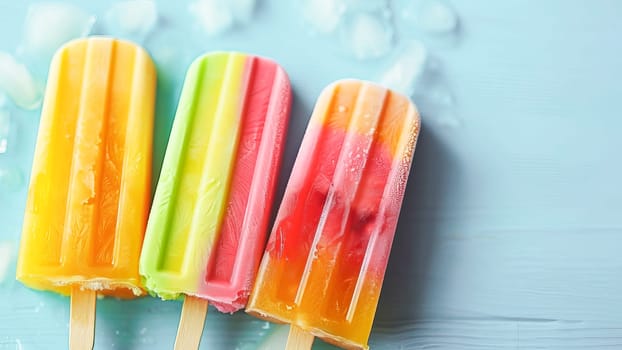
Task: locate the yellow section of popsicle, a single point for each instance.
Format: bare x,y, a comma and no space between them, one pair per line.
90,184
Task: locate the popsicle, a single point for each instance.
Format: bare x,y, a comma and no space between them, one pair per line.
208,224
90,186
326,256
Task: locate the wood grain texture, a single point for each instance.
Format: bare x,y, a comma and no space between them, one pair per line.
299,339
82,319
191,323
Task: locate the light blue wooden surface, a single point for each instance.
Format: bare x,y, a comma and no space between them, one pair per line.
511,229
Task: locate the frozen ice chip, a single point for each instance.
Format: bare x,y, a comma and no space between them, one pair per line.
367,35
6,256
407,69
18,84
433,16
133,19
5,129
323,15
49,25
214,16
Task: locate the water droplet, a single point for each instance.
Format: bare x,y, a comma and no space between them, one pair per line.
143,330
342,108
133,19
51,24
117,332
39,306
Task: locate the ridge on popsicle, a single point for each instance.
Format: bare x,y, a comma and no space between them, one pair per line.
208,223
325,260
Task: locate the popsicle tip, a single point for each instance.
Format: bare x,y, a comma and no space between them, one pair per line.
75,43
214,54
413,111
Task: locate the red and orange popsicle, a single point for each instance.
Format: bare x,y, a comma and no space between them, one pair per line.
327,254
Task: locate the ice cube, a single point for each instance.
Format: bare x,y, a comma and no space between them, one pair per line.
6,257
17,82
214,16
49,25
367,35
407,69
432,16
5,129
323,15
132,19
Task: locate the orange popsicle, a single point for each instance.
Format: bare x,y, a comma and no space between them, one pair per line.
90,184
326,257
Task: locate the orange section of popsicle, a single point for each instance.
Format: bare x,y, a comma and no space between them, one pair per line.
90,185
325,260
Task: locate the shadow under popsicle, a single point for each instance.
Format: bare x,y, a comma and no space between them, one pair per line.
402,298
135,324
167,95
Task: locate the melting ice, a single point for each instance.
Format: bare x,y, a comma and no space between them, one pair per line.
6,256
133,19
367,35
5,129
432,16
219,16
18,84
407,69
49,25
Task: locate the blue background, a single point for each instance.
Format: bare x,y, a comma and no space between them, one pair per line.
511,228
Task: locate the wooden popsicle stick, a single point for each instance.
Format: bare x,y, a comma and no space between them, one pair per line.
191,323
82,318
298,339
